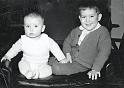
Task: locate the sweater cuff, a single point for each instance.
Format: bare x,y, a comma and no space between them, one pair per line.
96,68
7,57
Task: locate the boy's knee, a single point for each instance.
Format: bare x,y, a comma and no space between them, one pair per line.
59,70
56,69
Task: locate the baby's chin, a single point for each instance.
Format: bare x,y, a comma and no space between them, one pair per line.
32,36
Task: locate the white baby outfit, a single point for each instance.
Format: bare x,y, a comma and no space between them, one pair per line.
36,54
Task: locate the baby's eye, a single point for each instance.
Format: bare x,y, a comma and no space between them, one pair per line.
35,26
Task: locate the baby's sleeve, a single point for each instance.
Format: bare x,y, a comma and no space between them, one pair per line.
13,51
55,49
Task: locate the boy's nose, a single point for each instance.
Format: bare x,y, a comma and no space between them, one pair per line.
87,19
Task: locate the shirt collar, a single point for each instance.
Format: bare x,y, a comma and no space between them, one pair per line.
97,26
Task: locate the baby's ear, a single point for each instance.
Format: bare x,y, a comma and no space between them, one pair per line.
43,28
99,16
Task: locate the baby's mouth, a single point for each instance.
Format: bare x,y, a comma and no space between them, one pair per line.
31,33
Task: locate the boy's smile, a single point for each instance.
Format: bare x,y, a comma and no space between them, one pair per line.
89,18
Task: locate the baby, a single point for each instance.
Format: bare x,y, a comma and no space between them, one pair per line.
36,46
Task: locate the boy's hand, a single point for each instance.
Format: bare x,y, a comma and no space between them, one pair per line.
93,74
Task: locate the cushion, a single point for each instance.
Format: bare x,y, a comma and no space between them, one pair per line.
78,79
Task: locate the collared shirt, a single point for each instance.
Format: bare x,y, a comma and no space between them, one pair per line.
85,32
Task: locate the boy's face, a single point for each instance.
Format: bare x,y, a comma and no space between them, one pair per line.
33,26
89,18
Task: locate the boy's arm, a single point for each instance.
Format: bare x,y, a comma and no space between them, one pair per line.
103,55
13,51
104,47
66,44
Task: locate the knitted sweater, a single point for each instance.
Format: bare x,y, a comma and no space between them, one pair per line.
36,50
94,49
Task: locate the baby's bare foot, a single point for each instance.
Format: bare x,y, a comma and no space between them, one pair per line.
29,75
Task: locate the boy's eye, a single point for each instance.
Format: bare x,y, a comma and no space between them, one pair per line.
83,17
27,26
91,16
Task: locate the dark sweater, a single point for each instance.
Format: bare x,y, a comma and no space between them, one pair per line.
94,49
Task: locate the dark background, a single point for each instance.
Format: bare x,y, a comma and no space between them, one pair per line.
60,17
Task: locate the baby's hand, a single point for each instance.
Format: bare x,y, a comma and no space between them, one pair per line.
4,58
64,60
68,56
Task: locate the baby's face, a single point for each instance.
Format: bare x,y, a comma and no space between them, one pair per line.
33,26
89,18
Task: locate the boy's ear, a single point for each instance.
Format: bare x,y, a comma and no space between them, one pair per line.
79,17
99,17
43,28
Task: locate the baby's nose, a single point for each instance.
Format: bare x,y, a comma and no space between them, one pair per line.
31,29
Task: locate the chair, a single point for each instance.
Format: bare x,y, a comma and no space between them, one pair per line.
4,78
79,80
121,54
16,80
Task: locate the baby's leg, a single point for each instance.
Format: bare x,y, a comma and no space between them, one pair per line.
45,71
25,69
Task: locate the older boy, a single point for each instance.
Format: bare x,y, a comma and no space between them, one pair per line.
88,46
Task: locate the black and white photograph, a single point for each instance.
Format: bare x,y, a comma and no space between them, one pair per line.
61,43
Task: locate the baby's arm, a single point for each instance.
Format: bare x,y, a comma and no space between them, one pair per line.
67,59
64,60
13,51
5,58
57,52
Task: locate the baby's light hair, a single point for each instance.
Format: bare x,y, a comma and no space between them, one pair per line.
34,14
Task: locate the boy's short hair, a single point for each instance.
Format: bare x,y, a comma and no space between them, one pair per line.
89,4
